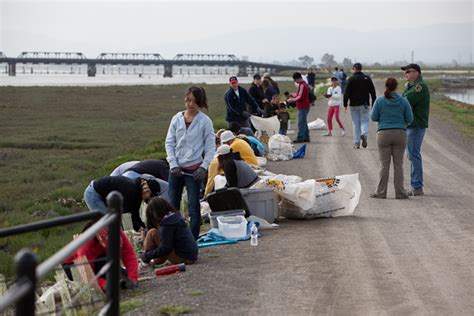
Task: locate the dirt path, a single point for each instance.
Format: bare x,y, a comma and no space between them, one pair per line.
392,257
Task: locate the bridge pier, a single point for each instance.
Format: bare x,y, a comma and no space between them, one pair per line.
91,70
242,71
168,71
12,69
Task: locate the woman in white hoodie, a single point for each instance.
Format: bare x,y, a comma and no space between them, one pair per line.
190,147
334,94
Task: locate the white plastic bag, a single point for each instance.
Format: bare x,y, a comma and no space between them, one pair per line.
271,125
328,197
280,148
317,124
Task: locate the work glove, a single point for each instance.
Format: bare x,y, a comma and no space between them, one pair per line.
176,172
200,174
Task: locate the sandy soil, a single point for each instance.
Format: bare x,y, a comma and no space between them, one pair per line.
391,257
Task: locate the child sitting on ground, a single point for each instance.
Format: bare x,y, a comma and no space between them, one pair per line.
168,236
283,117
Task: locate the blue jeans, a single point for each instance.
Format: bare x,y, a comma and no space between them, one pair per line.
93,200
360,122
303,130
175,190
282,131
414,141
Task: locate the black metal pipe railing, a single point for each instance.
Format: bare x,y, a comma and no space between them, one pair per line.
22,293
26,228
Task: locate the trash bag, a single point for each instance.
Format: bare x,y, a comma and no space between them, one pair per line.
270,125
280,148
317,124
328,197
300,152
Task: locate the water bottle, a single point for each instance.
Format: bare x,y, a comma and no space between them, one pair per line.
254,235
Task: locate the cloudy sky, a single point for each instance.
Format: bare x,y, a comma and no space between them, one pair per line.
262,30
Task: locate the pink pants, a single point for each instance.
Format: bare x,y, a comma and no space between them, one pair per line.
331,111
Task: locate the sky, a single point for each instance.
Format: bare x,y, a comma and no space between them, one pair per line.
262,30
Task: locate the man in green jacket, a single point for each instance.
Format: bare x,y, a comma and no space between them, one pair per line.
418,94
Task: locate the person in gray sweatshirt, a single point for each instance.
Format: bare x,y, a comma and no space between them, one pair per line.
393,113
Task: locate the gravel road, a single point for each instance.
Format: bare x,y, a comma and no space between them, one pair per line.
392,257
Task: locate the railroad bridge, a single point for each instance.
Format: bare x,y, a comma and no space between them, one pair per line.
142,59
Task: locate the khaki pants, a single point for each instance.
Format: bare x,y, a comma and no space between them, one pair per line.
391,143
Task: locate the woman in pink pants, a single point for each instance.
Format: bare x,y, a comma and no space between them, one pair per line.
334,94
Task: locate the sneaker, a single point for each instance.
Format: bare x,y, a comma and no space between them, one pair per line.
356,146
144,267
328,134
364,141
343,133
415,192
377,196
297,141
306,140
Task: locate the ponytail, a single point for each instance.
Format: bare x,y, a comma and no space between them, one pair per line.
390,86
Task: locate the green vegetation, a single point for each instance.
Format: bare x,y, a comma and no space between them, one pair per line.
55,140
459,114
130,305
196,293
174,310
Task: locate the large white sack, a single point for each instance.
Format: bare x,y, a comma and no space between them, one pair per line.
280,148
317,124
329,197
270,125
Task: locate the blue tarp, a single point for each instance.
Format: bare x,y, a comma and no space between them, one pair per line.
214,237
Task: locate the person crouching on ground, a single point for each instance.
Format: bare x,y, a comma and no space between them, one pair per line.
237,172
95,251
284,118
190,148
393,114
134,191
168,236
334,94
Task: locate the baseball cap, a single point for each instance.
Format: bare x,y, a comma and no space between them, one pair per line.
412,66
223,150
233,79
227,136
357,66
257,76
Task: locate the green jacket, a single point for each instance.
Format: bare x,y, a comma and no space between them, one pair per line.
418,95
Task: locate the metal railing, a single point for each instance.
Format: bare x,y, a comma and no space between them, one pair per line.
28,273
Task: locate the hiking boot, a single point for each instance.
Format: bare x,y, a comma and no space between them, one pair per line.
306,140
377,196
364,141
415,192
297,141
356,146
402,197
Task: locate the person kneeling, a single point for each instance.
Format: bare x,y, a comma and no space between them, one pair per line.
237,172
168,236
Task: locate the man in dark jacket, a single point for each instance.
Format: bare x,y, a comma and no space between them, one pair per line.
359,88
236,99
256,90
418,94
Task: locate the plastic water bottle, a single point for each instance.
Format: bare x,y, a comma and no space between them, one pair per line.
254,235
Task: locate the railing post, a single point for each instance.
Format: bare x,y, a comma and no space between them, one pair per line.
114,202
26,263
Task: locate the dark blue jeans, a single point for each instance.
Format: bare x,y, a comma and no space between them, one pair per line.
414,141
303,130
175,191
